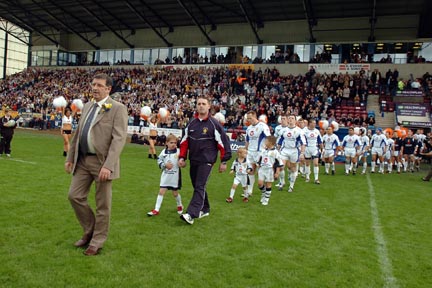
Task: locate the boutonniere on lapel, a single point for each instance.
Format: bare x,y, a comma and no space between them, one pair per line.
106,107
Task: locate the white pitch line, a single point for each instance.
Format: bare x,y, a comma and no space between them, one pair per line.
22,161
385,263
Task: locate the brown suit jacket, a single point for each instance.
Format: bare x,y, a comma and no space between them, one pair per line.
109,134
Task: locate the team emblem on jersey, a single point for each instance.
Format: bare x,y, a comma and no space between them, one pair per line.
289,134
205,130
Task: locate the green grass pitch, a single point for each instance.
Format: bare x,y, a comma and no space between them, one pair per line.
357,231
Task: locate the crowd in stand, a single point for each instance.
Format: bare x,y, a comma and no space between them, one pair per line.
312,95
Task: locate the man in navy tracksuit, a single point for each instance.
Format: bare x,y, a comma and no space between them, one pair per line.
204,137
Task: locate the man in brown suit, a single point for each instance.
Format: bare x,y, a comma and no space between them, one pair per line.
94,156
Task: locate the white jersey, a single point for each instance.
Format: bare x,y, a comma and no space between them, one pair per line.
255,136
269,160
378,141
390,144
364,142
351,141
313,137
240,168
331,142
277,131
66,120
291,138
170,178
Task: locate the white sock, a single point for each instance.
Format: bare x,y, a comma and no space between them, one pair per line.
178,200
251,183
307,172
293,178
282,177
347,168
159,200
373,166
316,172
327,167
232,192
364,167
333,166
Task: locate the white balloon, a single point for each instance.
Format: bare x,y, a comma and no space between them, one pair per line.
263,118
78,104
146,111
335,126
59,102
357,130
10,123
220,117
323,124
163,112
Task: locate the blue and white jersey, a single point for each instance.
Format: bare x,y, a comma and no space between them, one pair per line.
277,131
331,142
291,138
255,136
389,144
378,141
351,141
313,137
364,142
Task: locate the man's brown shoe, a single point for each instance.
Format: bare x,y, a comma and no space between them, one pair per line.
92,251
84,241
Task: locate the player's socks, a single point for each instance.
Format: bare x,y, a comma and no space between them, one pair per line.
251,183
159,200
316,172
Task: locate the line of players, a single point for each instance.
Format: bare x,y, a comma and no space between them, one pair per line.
301,145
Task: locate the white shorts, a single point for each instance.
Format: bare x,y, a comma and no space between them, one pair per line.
377,151
329,153
396,153
265,174
311,152
364,153
387,155
350,152
252,157
241,179
291,155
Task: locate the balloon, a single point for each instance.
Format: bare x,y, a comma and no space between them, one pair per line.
388,130
59,102
245,122
163,113
335,126
279,119
323,124
263,118
145,112
357,130
10,123
78,105
220,117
